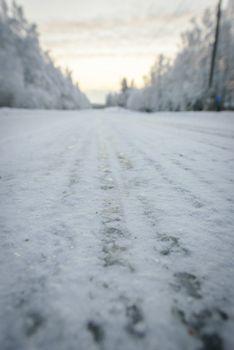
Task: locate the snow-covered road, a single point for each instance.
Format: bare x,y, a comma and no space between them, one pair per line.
116,230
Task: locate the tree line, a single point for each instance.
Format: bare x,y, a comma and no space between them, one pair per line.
28,76
183,84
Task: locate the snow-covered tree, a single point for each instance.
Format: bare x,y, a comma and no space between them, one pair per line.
184,83
115,99
28,76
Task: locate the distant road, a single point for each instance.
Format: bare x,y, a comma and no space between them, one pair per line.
116,230
98,106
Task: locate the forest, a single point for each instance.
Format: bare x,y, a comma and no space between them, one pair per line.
183,83
28,76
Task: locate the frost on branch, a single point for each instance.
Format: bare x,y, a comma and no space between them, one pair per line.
28,76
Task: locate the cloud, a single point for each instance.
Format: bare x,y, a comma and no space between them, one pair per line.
140,34
139,23
125,42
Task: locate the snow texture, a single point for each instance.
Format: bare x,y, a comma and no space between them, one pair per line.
116,230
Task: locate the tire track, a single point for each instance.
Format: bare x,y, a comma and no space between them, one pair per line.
147,161
183,283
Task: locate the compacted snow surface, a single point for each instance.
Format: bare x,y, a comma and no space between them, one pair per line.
116,230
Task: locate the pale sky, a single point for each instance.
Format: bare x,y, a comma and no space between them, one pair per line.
101,41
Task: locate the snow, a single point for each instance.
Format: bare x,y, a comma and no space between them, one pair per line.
181,83
35,81
116,230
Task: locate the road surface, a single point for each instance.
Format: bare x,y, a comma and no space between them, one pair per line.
116,230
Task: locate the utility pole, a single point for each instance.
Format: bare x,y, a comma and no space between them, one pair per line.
212,67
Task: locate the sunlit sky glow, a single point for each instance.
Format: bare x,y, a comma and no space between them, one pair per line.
101,41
